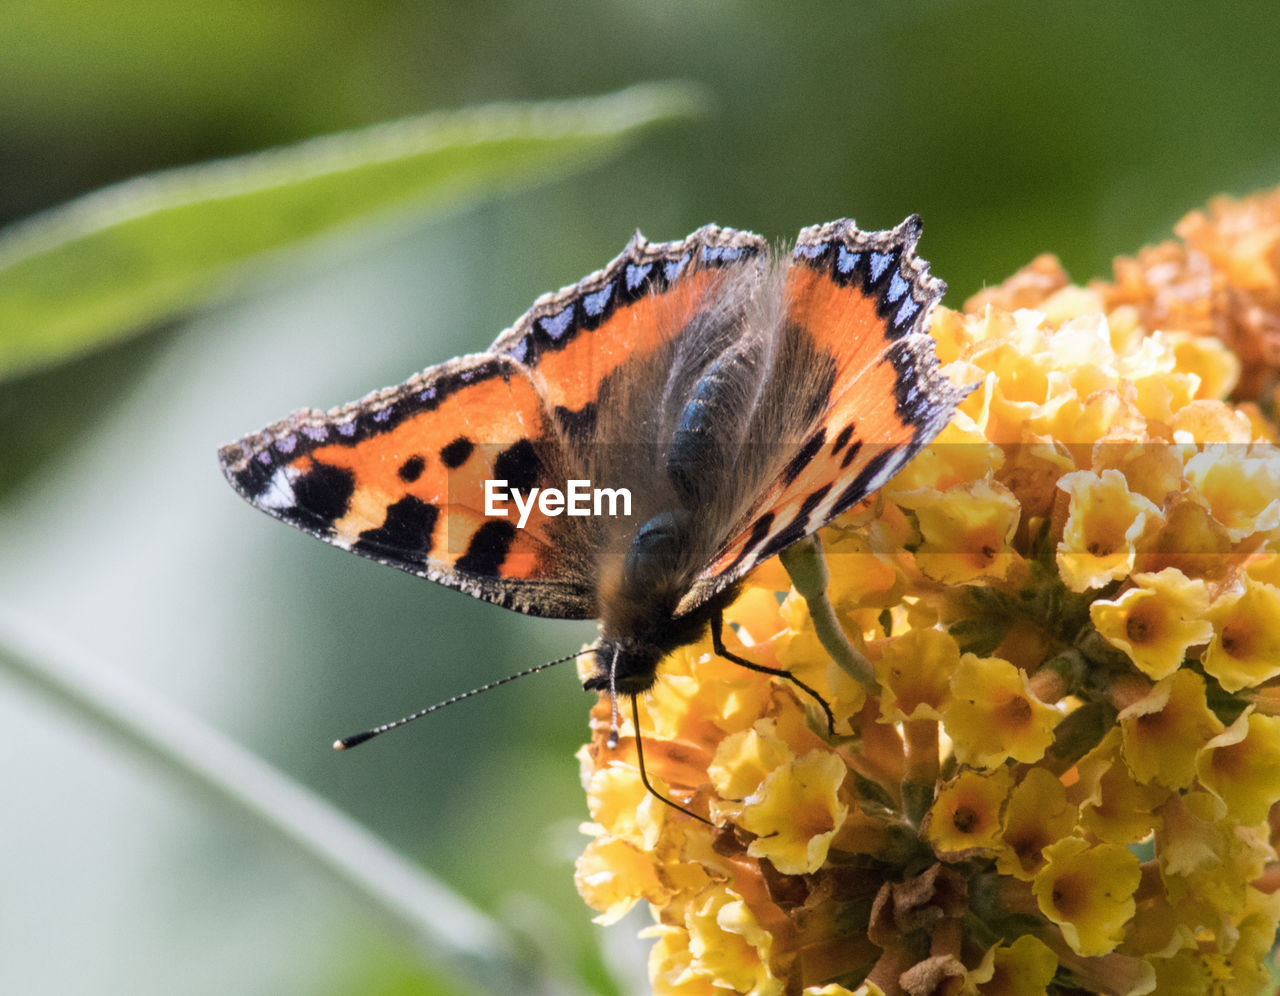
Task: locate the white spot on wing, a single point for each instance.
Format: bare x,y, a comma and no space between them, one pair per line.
278,493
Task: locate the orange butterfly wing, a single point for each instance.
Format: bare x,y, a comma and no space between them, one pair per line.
863,300
400,475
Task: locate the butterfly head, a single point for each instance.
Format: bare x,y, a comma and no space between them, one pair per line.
625,666
627,657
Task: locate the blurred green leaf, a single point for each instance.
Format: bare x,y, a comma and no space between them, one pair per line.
441,924
92,271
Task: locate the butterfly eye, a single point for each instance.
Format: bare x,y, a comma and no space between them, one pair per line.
656,548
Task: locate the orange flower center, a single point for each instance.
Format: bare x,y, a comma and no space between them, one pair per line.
1138,628
1238,641
1018,711
1230,760
1027,848
1068,896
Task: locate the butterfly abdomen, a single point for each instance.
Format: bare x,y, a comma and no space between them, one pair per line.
705,440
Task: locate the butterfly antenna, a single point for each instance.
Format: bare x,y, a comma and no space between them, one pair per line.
644,776
346,743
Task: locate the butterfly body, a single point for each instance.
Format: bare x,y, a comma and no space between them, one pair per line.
740,401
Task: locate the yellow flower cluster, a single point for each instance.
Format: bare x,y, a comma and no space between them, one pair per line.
1220,278
1061,777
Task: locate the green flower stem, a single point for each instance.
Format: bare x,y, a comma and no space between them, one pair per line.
452,934
808,571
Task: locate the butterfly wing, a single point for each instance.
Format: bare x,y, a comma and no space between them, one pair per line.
584,345
860,302
399,476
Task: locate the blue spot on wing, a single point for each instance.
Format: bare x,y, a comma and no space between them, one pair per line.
846,260
671,269
556,325
897,287
595,303
879,263
636,274
907,309
721,254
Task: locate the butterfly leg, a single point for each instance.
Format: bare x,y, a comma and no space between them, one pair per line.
807,568
717,641
644,775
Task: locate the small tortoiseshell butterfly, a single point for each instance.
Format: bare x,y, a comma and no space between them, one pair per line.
740,401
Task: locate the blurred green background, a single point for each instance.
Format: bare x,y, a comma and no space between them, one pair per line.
1011,127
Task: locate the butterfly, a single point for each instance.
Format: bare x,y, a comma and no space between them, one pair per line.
739,399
